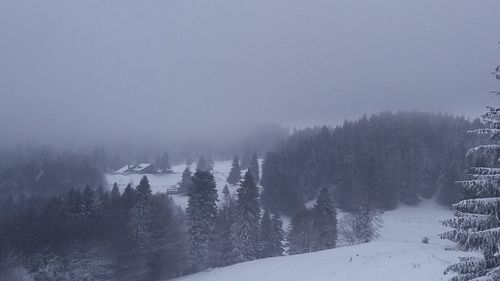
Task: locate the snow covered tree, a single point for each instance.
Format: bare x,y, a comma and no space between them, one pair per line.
139,220
89,203
167,255
246,224
303,235
201,217
325,221
365,223
202,165
477,222
277,236
128,198
266,235
186,182
143,190
235,173
271,235
221,251
73,203
254,168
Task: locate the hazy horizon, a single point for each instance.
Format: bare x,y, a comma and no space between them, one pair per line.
90,72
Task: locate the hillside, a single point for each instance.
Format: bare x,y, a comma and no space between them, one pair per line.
397,255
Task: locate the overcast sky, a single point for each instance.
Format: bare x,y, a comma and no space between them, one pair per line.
98,69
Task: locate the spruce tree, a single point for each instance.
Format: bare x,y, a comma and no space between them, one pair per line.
89,203
167,255
202,165
201,217
186,181
143,190
325,221
73,203
254,168
128,198
140,215
266,235
246,225
477,223
303,235
221,251
277,236
235,173
115,193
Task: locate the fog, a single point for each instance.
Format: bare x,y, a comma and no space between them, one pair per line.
98,71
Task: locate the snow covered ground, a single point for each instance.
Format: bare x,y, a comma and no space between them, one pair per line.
397,255
160,183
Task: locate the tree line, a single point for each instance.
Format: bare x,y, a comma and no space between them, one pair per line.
383,160
92,234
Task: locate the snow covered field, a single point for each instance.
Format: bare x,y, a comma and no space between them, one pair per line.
160,183
397,255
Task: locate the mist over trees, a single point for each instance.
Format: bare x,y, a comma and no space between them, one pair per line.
386,159
43,171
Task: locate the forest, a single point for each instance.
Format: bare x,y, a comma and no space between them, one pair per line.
383,160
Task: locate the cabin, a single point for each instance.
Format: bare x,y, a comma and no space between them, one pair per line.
143,168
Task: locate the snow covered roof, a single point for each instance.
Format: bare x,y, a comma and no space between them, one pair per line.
141,167
122,170
132,168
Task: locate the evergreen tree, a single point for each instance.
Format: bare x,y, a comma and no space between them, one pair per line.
228,198
89,202
254,168
271,235
143,190
477,223
140,214
115,193
277,236
303,235
266,235
235,173
221,251
167,255
73,203
186,181
128,198
325,221
246,225
202,165
201,217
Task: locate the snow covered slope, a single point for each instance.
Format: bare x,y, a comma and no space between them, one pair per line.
397,255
